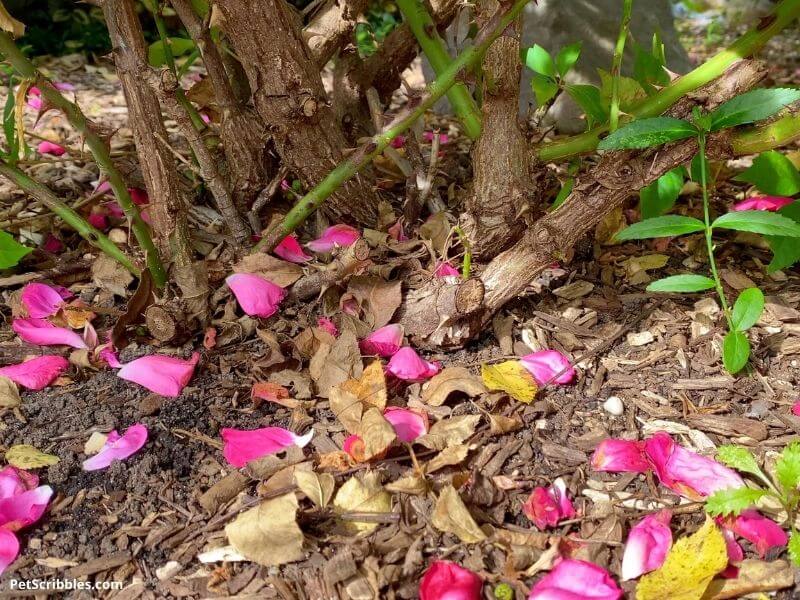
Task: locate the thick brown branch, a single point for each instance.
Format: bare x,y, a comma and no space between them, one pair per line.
352,259
331,28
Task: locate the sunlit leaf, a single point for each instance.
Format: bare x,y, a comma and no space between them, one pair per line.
511,377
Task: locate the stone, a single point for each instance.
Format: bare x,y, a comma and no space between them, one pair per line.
613,406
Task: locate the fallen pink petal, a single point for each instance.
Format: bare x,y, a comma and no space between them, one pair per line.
770,203
50,148
333,237
549,366
397,232
547,507
796,408
385,341
139,196
98,221
445,580
408,424
326,324
25,508
291,250
685,472
9,549
241,446
351,446
52,244
398,142
257,296
429,135
109,355
574,579
647,546
735,554
44,333
407,365
445,269
41,300
620,456
118,447
36,373
757,529
165,375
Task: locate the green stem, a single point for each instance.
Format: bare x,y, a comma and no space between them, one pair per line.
95,237
783,14
374,147
423,27
97,146
701,143
766,137
616,65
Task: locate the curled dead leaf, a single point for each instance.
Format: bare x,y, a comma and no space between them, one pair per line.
376,432
413,485
450,432
9,394
10,24
279,272
448,457
318,487
334,364
365,495
451,516
449,381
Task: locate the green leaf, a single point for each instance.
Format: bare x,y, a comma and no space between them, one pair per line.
682,284
732,500
567,57
11,251
544,87
772,173
787,467
694,169
758,221
630,92
748,308
738,458
539,61
10,126
179,46
785,250
565,191
648,70
752,106
660,196
735,351
666,226
589,99
644,133
794,548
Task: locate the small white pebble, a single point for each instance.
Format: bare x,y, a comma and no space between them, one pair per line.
118,236
614,406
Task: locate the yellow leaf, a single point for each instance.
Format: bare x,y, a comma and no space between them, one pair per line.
451,516
319,488
689,567
268,534
370,388
413,485
24,456
10,24
512,378
449,456
363,496
376,432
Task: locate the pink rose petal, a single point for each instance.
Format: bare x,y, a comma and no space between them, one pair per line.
44,333
41,300
291,250
397,232
52,244
24,509
445,269
50,148
408,424
256,295
445,580
796,408
547,507
98,221
14,481
139,196
36,373
735,554
326,324
385,341
620,456
407,365
118,447
240,446
165,375
443,137
770,203
9,549
546,364
333,236
109,355
576,580
757,529
647,546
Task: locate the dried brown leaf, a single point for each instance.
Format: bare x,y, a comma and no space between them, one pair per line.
9,395
365,495
448,457
451,516
318,487
449,381
279,272
376,432
332,365
450,432
377,298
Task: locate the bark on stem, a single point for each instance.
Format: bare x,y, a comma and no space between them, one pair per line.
331,27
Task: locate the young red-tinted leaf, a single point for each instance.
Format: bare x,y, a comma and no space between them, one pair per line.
785,250
748,308
758,221
567,57
644,133
787,467
539,61
11,251
666,226
684,284
738,458
735,351
733,500
660,196
794,547
589,99
752,106
772,173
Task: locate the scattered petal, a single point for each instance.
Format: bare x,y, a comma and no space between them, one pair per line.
770,203
546,507
445,580
648,543
385,341
41,300
547,364
333,236
620,456
139,196
109,355
44,333
445,269
25,508
165,375
50,148
52,244
407,365
796,408
428,137
36,373
326,324
762,532
9,549
241,446
256,295
397,232
118,447
576,580
408,424
291,250
98,221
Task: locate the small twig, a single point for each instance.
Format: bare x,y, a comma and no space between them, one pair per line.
264,196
